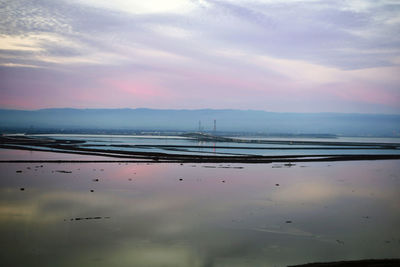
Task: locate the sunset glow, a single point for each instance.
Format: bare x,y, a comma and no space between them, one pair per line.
284,56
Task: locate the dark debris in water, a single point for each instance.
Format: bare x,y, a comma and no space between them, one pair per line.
340,242
289,164
62,171
19,171
88,218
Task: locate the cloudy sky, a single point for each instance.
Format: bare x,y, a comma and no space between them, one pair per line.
275,55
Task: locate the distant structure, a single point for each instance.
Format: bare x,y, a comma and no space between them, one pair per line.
199,126
215,126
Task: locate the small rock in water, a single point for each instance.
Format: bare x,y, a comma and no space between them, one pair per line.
18,171
92,190
22,189
95,180
223,181
340,242
277,184
180,179
288,221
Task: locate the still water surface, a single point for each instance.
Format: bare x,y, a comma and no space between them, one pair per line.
198,214
186,146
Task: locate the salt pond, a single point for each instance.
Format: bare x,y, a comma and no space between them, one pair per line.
137,214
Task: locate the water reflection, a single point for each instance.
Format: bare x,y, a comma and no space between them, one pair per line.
185,215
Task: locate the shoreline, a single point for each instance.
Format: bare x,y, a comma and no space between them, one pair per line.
70,147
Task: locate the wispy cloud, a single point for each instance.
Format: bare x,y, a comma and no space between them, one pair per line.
276,55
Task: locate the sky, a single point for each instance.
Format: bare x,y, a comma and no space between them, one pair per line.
273,55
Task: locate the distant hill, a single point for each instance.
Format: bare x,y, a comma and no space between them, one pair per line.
188,120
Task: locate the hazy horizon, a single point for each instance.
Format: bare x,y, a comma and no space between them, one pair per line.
188,120
196,109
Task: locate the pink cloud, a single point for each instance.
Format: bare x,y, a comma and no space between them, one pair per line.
361,92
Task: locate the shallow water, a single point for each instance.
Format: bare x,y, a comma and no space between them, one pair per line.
217,215
16,154
186,146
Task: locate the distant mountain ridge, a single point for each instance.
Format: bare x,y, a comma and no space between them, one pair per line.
228,120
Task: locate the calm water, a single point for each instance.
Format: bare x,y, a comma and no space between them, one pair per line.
174,143
217,215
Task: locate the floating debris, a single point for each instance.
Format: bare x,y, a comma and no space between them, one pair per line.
19,171
288,221
62,171
276,166
277,184
130,179
180,179
22,189
95,180
88,218
340,242
92,190
223,181
290,164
